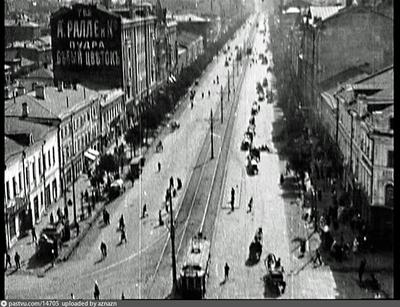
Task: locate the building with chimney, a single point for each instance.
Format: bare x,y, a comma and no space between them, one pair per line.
75,112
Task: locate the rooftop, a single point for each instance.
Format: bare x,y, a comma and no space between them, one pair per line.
55,104
15,126
186,38
189,18
11,148
323,12
350,75
40,73
20,23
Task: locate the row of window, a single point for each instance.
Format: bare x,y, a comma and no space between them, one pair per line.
81,143
33,172
79,122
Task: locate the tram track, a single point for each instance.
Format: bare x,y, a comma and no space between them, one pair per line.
203,189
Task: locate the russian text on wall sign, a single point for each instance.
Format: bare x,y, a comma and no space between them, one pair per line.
88,41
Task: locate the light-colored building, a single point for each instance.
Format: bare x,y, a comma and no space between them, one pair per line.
32,178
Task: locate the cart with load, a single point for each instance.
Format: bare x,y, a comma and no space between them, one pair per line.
246,142
252,166
276,275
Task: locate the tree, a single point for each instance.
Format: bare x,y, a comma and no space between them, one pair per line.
132,137
108,163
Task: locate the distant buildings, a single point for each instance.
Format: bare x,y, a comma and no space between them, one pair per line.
20,30
192,46
342,58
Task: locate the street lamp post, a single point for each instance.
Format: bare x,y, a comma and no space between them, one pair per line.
172,230
222,105
212,132
229,86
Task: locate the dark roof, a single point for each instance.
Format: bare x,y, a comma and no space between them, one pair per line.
40,73
35,108
11,148
186,38
352,73
14,126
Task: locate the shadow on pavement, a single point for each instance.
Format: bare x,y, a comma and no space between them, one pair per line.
36,262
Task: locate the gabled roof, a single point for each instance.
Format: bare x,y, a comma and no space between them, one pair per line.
349,75
323,12
40,73
186,38
11,148
14,126
36,110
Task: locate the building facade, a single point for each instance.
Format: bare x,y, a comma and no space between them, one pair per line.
32,178
20,30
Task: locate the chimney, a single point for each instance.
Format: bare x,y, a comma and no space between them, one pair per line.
40,91
60,86
25,110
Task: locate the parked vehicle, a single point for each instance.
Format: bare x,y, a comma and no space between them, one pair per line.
136,165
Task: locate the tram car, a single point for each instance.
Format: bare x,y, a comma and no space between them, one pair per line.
194,269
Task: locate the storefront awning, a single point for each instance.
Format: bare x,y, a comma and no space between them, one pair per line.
88,155
93,152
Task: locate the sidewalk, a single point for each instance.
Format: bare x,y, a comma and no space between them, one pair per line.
27,249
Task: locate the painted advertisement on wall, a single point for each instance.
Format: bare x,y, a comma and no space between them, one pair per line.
86,42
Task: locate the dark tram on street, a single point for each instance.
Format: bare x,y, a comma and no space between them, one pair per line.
194,271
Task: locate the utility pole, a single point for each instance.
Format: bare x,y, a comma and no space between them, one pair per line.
212,138
73,170
229,86
233,76
174,281
222,105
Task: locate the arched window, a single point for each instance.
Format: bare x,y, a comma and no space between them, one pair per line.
389,195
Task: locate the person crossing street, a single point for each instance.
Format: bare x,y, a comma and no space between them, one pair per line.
123,237
233,199
226,269
96,292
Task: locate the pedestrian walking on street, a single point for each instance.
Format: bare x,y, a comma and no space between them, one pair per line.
226,268
121,222
122,296
250,205
123,237
33,232
233,199
202,95
318,257
361,269
159,166
144,212
281,179
103,249
96,291
8,261
17,259
160,220
217,80
209,93
191,103
179,184
72,296
171,182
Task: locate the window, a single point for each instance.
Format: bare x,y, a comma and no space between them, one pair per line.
27,175
8,196
20,180
15,187
389,195
40,166
54,156
33,172
390,158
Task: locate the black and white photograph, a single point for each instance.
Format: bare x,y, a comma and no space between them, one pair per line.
198,149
